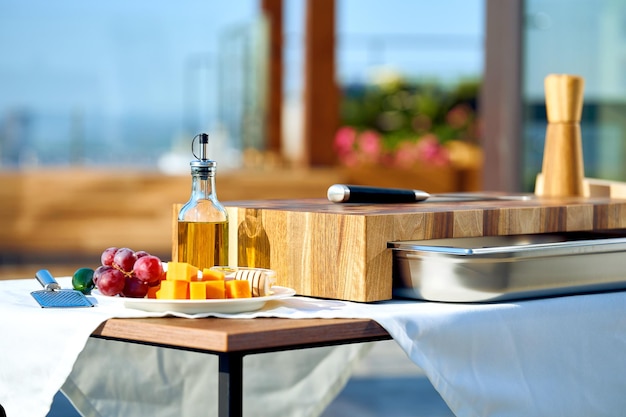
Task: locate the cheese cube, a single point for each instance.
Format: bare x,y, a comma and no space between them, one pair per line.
215,289
237,288
181,271
173,290
212,275
153,290
197,290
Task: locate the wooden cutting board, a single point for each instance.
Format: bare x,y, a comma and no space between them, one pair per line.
339,251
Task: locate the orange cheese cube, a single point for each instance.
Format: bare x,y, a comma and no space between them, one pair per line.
238,288
215,289
212,275
181,271
173,290
153,290
197,290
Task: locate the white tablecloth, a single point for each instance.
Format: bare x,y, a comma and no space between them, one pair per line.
549,357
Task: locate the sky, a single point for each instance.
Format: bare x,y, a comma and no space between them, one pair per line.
69,51
157,62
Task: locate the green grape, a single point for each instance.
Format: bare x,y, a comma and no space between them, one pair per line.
82,280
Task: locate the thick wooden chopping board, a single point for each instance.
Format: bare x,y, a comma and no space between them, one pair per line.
340,251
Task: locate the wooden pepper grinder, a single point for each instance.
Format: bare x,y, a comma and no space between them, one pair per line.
563,169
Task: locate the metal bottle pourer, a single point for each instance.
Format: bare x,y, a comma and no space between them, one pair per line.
202,165
203,139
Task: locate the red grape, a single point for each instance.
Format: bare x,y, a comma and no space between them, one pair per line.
148,269
97,273
128,273
99,270
155,283
141,253
135,288
107,256
124,260
110,281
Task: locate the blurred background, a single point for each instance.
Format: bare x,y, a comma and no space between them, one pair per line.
128,85
99,102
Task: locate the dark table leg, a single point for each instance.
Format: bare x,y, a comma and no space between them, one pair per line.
230,385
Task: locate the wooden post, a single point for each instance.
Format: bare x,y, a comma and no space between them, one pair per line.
273,10
321,94
501,100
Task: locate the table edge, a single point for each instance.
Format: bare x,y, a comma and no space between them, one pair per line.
241,335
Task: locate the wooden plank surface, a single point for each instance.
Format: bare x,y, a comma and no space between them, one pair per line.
225,335
469,218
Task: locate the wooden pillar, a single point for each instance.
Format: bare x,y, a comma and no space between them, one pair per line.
321,94
273,11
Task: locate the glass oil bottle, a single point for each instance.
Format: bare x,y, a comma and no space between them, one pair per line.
203,221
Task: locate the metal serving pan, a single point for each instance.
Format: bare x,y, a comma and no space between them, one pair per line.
496,268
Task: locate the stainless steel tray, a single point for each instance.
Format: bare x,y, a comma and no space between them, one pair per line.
496,268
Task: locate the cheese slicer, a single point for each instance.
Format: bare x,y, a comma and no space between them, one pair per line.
54,296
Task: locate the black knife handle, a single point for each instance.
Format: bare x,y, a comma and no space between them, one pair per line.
342,193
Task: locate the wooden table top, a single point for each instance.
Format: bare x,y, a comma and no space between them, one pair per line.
236,335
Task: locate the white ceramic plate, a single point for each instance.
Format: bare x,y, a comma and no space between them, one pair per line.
230,305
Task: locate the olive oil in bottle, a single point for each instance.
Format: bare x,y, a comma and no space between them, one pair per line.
203,221
204,244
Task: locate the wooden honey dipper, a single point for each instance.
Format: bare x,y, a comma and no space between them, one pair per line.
562,170
261,281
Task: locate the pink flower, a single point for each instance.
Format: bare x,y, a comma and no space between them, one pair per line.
357,148
367,148
426,149
345,138
430,150
428,146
